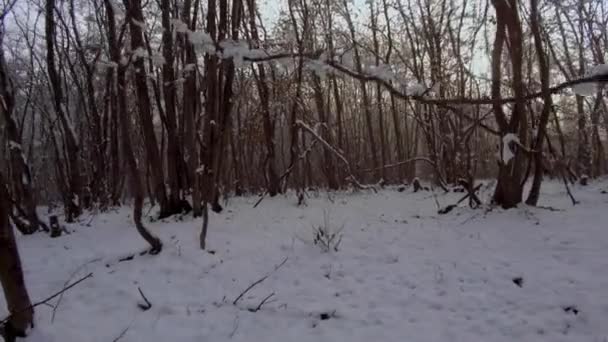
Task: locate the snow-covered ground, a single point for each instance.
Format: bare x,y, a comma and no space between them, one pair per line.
402,273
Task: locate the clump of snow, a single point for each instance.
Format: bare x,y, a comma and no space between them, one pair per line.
319,67
103,65
140,52
13,145
416,89
600,69
179,26
237,50
199,38
507,153
157,59
585,89
591,88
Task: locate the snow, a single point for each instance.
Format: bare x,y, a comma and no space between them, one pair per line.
507,153
103,65
179,26
402,272
416,89
141,24
13,145
158,60
600,69
591,88
140,52
585,89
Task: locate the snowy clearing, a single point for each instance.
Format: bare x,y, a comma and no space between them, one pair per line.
402,273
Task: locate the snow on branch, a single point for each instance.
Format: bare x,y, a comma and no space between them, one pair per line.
323,63
590,88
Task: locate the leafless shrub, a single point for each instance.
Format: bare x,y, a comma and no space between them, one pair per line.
327,237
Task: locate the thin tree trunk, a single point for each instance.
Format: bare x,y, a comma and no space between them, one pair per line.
547,105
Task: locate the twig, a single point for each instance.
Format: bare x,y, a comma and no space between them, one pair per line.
262,303
66,283
397,164
148,305
122,334
236,326
469,194
549,208
259,281
45,301
574,201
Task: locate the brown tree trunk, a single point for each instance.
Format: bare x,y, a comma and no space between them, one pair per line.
135,16
174,156
509,189
543,64
71,200
134,174
190,107
11,276
20,171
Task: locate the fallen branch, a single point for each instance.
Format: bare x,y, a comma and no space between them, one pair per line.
470,194
389,166
148,305
574,201
257,308
46,300
259,281
548,208
122,334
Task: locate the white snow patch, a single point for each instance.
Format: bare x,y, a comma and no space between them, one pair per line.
401,270
507,153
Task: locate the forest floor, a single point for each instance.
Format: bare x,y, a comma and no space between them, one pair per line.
401,273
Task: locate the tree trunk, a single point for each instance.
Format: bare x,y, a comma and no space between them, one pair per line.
509,189
543,64
11,276
71,200
135,15
190,104
134,174
174,156
20,171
